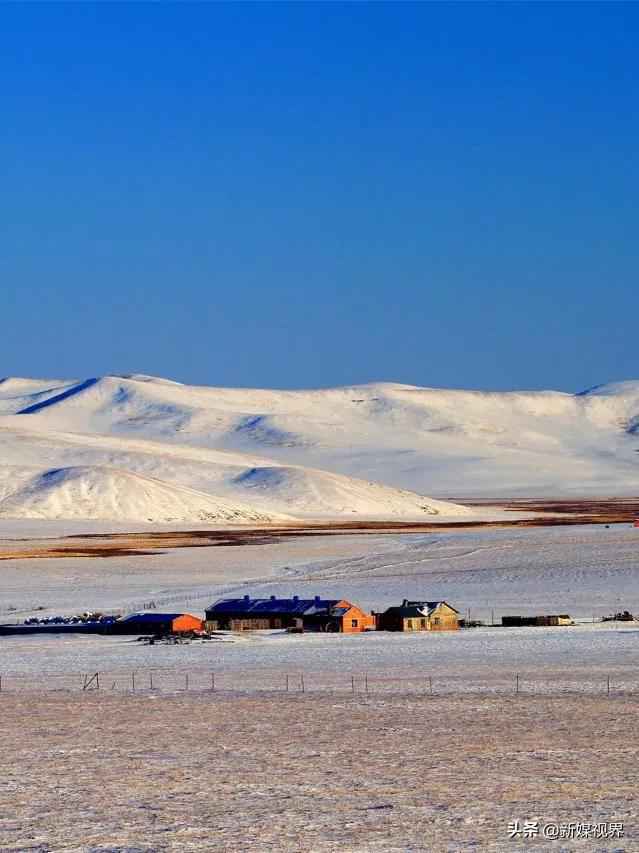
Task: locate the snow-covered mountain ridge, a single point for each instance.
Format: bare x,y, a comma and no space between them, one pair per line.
371,450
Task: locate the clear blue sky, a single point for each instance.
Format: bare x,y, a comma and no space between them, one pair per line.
317,194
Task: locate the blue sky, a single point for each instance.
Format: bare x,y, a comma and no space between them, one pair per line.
310,194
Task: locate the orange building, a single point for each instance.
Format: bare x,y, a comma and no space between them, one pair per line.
351,619
311,614
158,623
186,622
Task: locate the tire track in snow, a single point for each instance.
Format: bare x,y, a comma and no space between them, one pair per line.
347,568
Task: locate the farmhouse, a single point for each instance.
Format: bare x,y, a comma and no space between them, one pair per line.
419,616
159,624
310,614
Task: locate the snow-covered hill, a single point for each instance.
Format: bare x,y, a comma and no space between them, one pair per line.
371,450
319,493
95,492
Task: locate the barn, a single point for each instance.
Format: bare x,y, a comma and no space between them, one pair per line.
159,624
311,614
419,616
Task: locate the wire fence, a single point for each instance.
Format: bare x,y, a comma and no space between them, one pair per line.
171,681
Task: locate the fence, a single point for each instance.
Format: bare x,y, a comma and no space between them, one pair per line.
360,683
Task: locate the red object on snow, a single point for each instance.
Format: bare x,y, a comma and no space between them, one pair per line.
636,522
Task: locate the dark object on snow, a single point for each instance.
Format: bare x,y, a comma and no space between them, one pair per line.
528,621
624,616
471,623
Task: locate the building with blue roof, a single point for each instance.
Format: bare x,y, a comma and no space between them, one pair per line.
313,614
158,624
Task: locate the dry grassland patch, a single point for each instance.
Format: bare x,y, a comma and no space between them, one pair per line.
220,772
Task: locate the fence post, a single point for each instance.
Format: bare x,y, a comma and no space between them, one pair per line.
133,681
366,682
212,681
353,683
186,681
430,684
151,680
517,683
287,683
302,682
608,686
89,679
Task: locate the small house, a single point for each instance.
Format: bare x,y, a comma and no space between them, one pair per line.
309,614
419,616
159,624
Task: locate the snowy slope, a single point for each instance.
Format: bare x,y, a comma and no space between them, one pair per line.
245,480
93,492
320,493
326,452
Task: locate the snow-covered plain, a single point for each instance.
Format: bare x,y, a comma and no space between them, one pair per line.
126,447
584,571
573,658
314,773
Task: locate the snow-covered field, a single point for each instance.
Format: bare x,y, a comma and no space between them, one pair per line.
148,449
180,767
181,577
583,571
278,773
578,658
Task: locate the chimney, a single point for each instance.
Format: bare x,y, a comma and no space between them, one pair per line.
317,599
247,598
405,603
272,598
296,598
